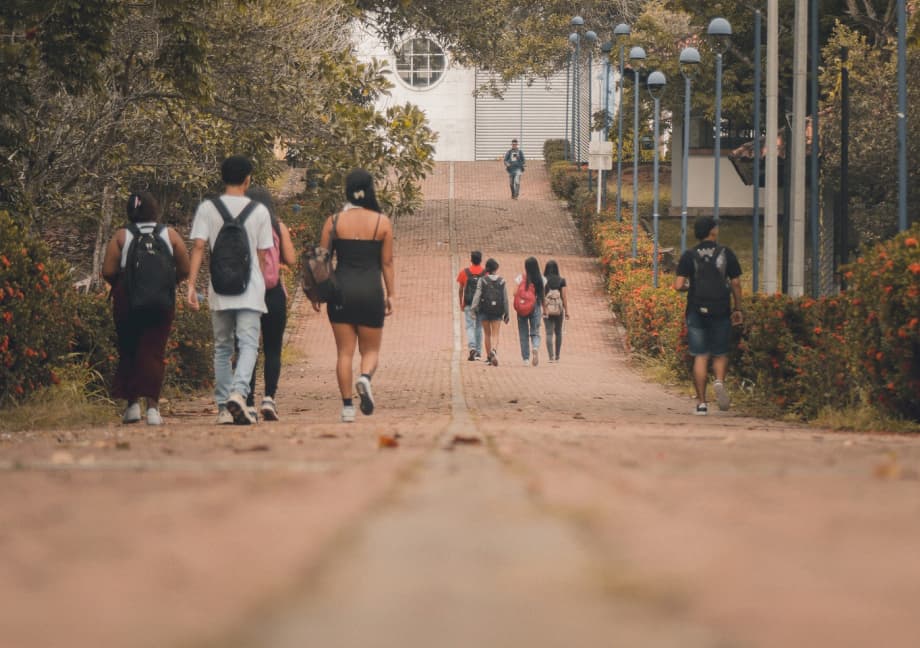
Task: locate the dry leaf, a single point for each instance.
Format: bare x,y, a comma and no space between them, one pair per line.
386,441
466,440
122,445
260,447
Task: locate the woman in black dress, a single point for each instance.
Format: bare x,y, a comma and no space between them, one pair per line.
362,239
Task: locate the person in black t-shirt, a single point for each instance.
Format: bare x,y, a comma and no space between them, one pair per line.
710,274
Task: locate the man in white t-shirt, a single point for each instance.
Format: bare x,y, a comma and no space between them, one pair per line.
235,318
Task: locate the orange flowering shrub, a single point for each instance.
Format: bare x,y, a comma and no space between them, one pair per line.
35,321
884,323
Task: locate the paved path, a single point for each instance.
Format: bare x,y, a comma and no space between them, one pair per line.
570,504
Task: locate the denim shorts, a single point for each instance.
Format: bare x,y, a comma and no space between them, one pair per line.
708,335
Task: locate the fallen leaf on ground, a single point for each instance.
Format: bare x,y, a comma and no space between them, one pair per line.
327,435
513,400
259,447
122,445
387,441
460,439
579,416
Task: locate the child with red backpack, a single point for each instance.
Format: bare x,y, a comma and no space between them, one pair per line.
528,304
275,319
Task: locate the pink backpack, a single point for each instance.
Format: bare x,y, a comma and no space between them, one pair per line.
273,262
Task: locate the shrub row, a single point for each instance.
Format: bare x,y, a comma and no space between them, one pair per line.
793,356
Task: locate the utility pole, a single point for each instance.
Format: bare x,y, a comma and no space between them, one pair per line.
770,238
797,202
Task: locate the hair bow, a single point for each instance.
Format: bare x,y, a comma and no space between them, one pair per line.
359,194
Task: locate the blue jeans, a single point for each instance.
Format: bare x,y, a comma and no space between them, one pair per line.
529,331
473,330
243,327
708,335
514,176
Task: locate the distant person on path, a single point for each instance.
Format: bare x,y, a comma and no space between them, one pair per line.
514,165
468,280
556,309
143,302
528,304
362,239
710,273
275,319
238,232
490,303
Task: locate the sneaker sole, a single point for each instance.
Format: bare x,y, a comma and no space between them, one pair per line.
367,402
239,414
269,414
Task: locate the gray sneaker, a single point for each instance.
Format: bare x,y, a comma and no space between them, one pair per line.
153,416
363,387
348,413
723,398
224,417
534,357
236,405
268,409
132,413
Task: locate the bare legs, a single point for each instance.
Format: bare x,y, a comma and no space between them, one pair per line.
490,331
701,373
349,337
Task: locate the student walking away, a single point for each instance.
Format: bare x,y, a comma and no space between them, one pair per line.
143,263
238,233
555,309
528,304
361,238
275,319
514,165
710,273
490,304
468,280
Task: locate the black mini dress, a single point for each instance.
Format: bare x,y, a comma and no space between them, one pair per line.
359,275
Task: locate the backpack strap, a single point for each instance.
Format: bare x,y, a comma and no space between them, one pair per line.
134,229
225,213
374,237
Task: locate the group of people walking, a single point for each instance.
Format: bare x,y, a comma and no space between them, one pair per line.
538,299
247,245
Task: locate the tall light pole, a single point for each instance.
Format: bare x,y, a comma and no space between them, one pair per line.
758,149
771,203
689,64
636,58
591,38
620,32
656,83
577,23
573,40
606,48
720,32
902,116
568,102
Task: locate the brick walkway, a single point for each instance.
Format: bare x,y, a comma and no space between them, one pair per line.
595,510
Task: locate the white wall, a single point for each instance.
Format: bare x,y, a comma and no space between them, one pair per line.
448,105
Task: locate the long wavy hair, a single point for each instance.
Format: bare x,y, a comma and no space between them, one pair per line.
532,270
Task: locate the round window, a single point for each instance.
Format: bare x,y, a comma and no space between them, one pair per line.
420,62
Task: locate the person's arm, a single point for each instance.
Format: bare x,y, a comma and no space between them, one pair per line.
180,254
505,317
477,296
288,254
460,294
325,238
737,312
565,302
111,262
681,284
507,159
194,267
386,262
521,159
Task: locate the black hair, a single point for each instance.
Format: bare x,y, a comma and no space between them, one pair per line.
532,269
234,170
491,266
359,190
703,226
262,195
476,257
514,141
143,208
551,268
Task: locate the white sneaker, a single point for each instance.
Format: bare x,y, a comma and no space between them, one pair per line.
268,409
723,398
363,386
153,416
132,413
224,417
236,405
253,413
348,413
527,362
535,357
702,409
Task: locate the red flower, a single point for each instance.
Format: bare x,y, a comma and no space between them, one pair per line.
914,268
910,242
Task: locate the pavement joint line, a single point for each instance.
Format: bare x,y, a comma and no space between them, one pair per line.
461,424
155,465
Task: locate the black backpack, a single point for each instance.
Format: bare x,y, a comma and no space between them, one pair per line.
231,261
710,286
469,290
150,271
492,298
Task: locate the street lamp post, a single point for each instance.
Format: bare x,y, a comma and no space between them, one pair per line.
689,64
619,33
606,48
720,31
656,83
568,76
577,23
636,57
591,37
573,40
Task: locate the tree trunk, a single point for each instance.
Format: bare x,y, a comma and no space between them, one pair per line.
102,237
